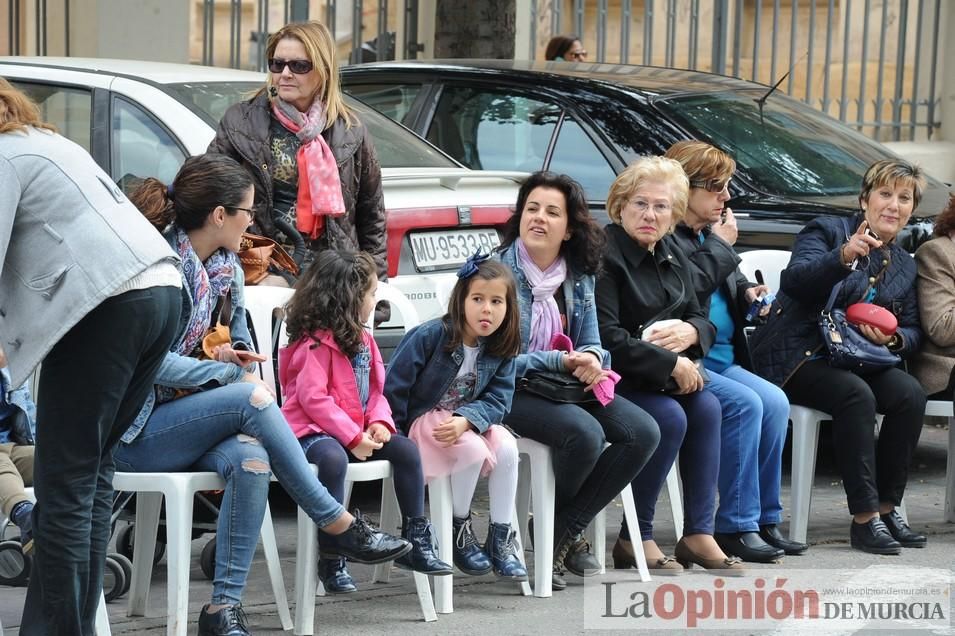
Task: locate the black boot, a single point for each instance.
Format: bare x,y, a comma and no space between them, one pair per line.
468,555
335,577
229,621
422,558
579,560
363,543
500,547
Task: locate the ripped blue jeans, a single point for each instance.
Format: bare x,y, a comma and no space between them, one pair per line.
239,432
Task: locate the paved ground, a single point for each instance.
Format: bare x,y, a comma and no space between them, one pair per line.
483,606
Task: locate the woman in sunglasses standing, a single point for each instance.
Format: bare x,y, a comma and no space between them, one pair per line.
316,173
755,411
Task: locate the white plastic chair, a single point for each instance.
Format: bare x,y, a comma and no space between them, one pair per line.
539,471
770,263
805,442
261,301
179,490
440,500
944,408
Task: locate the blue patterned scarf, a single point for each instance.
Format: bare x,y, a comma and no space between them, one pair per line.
207,282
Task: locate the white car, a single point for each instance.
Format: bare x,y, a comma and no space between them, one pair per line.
144,118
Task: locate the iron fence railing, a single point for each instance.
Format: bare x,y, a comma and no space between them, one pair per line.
874,64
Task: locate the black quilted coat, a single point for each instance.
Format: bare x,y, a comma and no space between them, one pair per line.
791,334
243,134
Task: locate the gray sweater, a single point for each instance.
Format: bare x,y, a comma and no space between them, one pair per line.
69,239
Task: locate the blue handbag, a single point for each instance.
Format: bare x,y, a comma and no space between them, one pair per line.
848,348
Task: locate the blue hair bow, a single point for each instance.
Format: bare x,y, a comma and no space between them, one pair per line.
470,266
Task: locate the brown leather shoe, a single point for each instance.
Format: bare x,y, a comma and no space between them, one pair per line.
730,566
624,558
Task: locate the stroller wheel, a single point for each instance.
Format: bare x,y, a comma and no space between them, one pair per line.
207,560
127,566
14,565
124,544
114,579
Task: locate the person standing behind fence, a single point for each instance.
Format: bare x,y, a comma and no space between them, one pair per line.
316,172
79,267
450,383
565,48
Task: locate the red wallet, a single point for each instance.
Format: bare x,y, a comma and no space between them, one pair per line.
872,315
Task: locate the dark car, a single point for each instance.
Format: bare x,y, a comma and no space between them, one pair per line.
591,120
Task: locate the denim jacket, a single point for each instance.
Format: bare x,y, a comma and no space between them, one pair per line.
421,370
23,423
183,372
581,319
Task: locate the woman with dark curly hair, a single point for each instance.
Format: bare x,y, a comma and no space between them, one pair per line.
935,363
554,248
565,48
333,379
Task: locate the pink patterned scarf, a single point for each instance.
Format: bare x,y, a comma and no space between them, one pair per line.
319,185
545,315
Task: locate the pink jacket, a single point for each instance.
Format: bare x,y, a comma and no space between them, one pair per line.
320,392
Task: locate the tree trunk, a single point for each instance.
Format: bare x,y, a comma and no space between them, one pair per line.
475,29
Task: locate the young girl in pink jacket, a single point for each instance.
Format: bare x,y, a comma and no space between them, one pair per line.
332,378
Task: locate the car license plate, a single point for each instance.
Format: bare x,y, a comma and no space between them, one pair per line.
449,248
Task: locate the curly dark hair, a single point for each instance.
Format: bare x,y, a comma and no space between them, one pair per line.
329,296
945,221
585,247
506,341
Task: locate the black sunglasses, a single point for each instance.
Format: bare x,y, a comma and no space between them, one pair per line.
710,185
299,67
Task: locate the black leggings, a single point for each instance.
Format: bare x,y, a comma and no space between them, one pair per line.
872,472
332,461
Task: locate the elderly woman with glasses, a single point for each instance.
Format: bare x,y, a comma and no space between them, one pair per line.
755,411
652,324
316,173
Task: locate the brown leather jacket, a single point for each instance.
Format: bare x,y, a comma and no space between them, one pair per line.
243,134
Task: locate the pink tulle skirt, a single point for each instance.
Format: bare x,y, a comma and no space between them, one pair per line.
438,460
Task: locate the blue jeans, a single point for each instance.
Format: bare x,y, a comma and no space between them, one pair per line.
239,432
755,419
689,425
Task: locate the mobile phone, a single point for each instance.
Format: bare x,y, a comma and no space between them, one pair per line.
723,217
247,357
761,301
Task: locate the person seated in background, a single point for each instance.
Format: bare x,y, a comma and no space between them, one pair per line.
17,423
755,411
861,255
935,363
565,48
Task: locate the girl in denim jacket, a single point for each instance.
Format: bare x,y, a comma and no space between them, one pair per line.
450,383
332,376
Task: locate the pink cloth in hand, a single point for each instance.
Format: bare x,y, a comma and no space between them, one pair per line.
604,390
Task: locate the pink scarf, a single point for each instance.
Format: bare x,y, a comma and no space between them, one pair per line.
545,315
319,185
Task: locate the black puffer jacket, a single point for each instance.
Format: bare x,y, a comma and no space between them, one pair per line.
714,265
243,134
791,334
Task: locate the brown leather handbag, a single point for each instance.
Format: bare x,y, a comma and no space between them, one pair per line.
258,253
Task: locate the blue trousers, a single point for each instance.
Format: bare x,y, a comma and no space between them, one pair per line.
238,431
332,460
755,420
689,425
